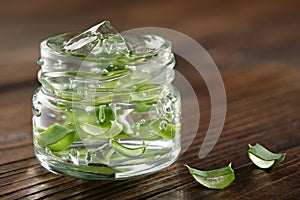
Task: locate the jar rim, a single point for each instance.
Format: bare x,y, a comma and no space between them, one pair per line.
51,50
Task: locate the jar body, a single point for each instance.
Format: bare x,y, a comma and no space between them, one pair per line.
115,136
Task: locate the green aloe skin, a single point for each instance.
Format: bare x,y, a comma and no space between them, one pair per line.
223,177
213,179
263,158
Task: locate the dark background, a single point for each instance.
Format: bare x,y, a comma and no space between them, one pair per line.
255,45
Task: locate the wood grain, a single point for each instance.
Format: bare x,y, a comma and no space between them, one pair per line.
256,48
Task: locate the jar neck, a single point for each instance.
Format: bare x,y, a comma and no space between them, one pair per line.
121,81
64,75
99,98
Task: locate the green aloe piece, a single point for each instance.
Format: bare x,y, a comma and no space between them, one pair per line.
145,87
82,116
108,132
115,129
116,66
118,73
65,153
144,106
97,170
145,92
94,159
263,158
122,135
103,99
213,179
126,151
56,137
92,129
103,76
144,131
62,144
105,114
107,155
164,129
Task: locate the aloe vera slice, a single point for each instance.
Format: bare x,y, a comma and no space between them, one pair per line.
126,151
122,135
164,129
94,159
213,179
107,155
104,76
97,170
115,67
108,132
145,92
115,129
56,137
83,116
103,99
143,108
144,131
105,114
145,87
118,73
65,153
63,143
93,130
263,158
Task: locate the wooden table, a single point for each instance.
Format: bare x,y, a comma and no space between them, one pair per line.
256,46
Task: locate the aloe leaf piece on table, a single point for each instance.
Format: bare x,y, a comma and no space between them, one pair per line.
213,179
263,158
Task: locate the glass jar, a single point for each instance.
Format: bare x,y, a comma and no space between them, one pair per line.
107,117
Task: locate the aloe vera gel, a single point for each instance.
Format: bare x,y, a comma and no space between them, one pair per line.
106,108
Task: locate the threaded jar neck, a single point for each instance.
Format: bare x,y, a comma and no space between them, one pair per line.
65,74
